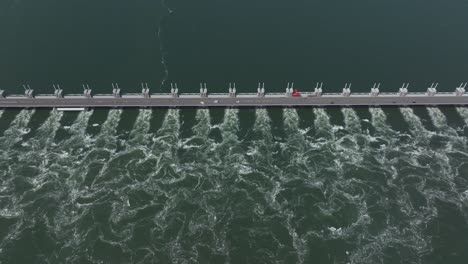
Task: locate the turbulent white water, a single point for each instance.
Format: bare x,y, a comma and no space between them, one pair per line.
139,134
379,119
340,195
352,121
322,122
17,129
463,111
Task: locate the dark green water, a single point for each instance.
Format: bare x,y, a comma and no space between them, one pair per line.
305,185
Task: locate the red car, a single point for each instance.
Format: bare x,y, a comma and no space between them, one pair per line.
296,93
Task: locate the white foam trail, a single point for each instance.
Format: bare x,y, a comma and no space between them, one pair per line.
352,146
162,50
96,152
137,151
296,145
45,134
38,147
415,125
230,125
412,119
365,207
139,134
379,161
202,129
419,153
351,119
438,118
200,145
1,113
463,112
81,122
262,123
379,119
68,153
440,122
166,145
106,137
79,171
33,166
261,148
104,147
322,122
71,149
230,151
13,135
169,132
291,120
16,130
110,125
295,135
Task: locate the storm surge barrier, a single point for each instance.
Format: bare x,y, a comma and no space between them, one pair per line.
292,97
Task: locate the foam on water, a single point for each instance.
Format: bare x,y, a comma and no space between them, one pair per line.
351,119
438,118
37,148
21,204
416,127
202,128
106,138
339,196
379,119
293,149
413,120
139,133
167,140
17,129
262,147
463,111
386,163
67,155
322,122
417,152
454,141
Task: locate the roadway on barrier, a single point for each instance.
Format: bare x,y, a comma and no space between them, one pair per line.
223,100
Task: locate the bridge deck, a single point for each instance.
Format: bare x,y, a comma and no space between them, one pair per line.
223,100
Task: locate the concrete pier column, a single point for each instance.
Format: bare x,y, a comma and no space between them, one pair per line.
460,90
58,92
346,90
145,92
175,92
116,90
205,91
375,90
87,91
403,91
232,90
28,92
318,89
432,90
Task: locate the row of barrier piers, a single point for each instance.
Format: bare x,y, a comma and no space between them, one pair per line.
290,91
291,97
